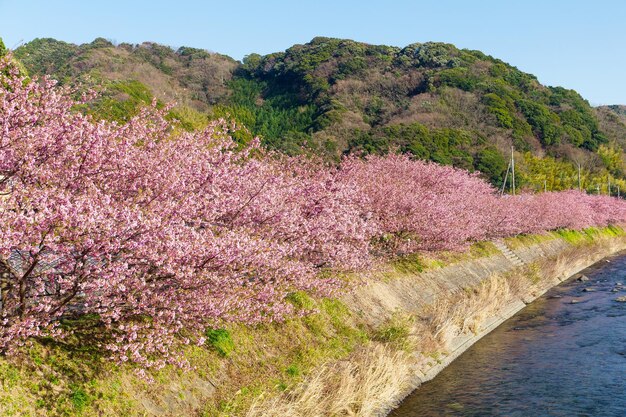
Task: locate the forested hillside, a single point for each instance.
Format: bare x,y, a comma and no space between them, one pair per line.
333,96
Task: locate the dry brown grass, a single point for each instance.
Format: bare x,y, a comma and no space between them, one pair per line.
463,312
359,387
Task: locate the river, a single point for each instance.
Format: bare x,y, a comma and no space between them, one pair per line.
554,358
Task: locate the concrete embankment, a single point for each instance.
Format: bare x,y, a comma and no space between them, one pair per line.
442,311
527,271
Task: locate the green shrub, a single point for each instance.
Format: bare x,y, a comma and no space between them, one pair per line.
545,123
492,164
121,101
459,78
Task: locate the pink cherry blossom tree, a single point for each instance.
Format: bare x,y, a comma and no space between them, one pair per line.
422,205
155,233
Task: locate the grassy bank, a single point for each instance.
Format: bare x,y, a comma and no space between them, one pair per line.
339,359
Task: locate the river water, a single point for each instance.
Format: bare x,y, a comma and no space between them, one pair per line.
554,358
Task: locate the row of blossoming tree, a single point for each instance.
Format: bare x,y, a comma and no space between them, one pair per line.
156,234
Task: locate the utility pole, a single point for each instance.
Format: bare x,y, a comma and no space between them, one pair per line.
545,186
618,191
506,176
579,186
609,189
512,171
598,189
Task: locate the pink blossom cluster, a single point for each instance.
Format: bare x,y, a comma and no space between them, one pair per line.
535,213
159,233
418,205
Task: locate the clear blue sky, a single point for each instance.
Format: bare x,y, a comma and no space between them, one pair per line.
576,44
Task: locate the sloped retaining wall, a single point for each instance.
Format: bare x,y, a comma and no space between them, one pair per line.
552,261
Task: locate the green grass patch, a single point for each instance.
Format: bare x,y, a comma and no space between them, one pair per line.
410,264
482,250
301,300
612,231
271,358
426,261
220,340
293,370
79,398
395,331
524,241
577,237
